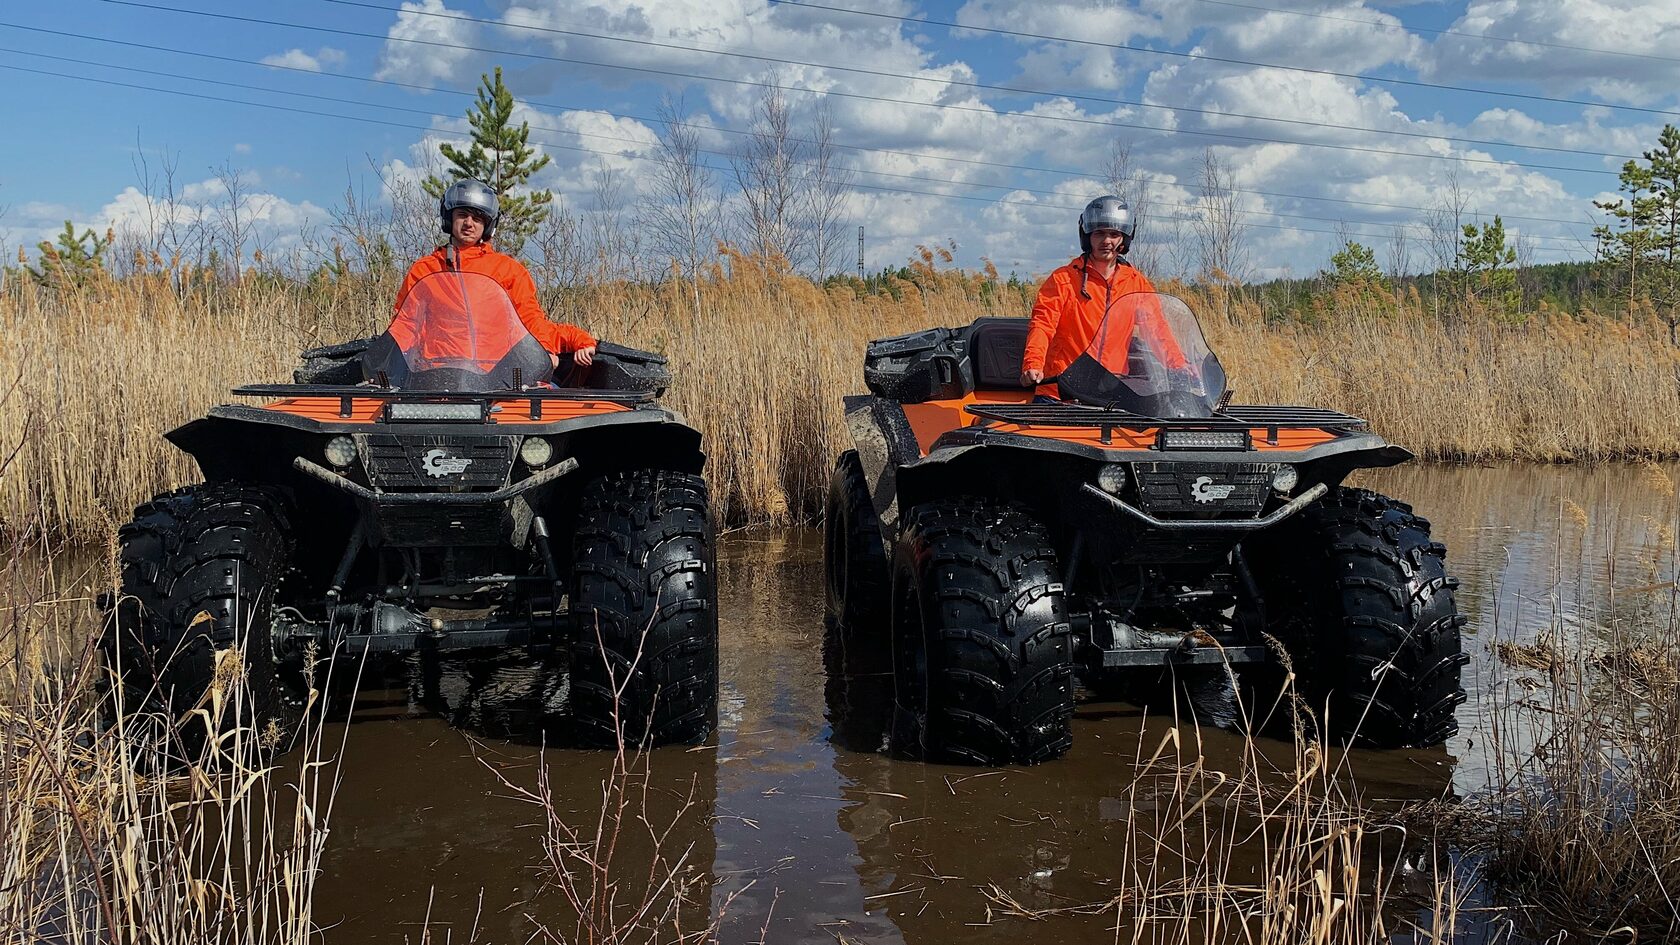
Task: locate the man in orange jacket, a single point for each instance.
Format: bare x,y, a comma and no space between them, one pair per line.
1075,298
469,211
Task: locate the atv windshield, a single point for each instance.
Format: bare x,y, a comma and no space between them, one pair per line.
457,331
1148,357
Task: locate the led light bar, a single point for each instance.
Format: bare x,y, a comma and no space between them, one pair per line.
1202,440
435,412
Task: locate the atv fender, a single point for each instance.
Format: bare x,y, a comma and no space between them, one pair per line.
253,444
881,433
1020,462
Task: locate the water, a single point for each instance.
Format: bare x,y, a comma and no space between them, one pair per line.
782,828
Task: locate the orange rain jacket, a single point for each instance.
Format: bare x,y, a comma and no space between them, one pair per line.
1063,321
511,275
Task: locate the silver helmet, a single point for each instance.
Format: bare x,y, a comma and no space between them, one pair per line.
1106,213
474,195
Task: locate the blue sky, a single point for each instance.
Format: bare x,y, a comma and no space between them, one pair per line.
906,96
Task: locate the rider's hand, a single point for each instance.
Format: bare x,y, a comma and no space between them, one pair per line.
584,356
1031,377
553,359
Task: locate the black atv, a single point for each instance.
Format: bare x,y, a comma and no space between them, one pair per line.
440,487
1001,545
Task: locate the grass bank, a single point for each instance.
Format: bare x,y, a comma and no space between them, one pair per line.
91,376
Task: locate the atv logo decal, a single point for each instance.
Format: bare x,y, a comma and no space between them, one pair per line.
439,464
1203,490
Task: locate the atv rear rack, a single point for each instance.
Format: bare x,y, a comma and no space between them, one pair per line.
1240,417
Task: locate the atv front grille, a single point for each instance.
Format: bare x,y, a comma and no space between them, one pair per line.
1203,490
413,463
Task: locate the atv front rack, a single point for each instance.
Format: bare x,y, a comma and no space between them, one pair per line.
394,393
348,395
1240,417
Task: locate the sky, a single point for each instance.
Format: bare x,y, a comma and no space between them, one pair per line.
983,123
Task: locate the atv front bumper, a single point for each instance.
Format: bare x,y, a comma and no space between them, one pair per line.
1213,525
363,493
501,517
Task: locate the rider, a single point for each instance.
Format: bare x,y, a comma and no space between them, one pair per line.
469,212
1075,298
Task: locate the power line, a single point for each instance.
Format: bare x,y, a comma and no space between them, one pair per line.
622,140
1440,32
1204,57
1063,172
631,157
988,112
987,86
1223,59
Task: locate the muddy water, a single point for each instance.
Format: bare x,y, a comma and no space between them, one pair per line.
787,823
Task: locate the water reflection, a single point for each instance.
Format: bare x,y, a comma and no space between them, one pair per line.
1543,550
803,827
431,825
947,848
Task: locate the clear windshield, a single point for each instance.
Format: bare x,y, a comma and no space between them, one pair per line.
457,331
1149,357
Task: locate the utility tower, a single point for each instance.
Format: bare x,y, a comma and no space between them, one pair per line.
860,253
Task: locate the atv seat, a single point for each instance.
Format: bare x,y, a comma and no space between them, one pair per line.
995,346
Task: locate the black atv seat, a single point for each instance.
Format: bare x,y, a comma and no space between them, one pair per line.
995,346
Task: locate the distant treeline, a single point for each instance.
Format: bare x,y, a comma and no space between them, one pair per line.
1559,287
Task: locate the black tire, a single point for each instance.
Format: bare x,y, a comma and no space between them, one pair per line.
854,561
644,602
983,653
201,568
1358,594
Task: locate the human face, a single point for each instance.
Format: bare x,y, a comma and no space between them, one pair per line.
1105,244
466,227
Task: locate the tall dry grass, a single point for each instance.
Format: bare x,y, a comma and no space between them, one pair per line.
1273,853
102,839
90,377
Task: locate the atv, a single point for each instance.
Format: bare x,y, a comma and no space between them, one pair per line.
440,487
995,547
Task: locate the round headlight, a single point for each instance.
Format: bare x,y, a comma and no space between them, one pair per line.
341,451
1285,479
536,451
1111,478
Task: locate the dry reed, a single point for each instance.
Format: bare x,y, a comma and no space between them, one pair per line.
1270,852
91,377
104,840
625,875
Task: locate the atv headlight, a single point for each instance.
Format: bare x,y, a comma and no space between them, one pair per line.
436,412
1202,440
536,451
1285,479
341,451
1111,478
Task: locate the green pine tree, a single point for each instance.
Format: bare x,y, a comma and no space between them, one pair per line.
1645,242
501,158
1489,264
73,260
1354,263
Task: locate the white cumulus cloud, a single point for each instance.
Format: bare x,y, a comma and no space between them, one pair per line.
426,43
1625,51
322,59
